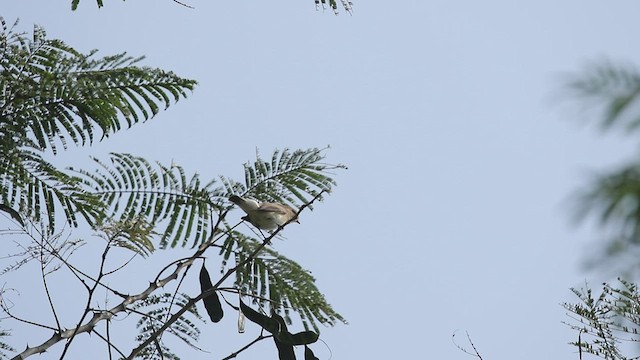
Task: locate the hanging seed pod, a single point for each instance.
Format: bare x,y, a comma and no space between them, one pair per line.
211,302
241,321
264,321
301,338
285,351
308,354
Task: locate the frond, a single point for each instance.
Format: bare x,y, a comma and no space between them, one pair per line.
154,311
62,96
347,5
132,187
615,88
184,206
4,347
288,177
135,234
37,189
273,276
607,320
613,199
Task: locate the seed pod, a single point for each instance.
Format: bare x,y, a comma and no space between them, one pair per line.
308,354
211,302
302,338
285,351
241,321
267,323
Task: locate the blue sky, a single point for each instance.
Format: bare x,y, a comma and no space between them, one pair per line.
454,213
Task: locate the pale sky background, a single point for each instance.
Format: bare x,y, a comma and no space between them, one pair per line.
454,213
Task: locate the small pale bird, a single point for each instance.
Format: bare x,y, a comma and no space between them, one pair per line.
266,216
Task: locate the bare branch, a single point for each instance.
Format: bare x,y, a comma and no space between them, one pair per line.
234,354
210,291
475,352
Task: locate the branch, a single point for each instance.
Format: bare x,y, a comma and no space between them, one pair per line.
99,316
91,291
234,354
475,352
46,289
183,4
210,291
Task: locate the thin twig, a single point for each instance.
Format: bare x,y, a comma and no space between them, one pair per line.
46,290
5,309
107,340
259,338
91,291
211,290
183,4
475,352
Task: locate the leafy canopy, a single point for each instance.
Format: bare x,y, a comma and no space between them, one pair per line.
613,197
53,96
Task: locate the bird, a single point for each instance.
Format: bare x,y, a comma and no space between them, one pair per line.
266,215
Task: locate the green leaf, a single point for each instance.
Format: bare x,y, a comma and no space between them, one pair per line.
132,186
53,96
134,234
281,280
613,88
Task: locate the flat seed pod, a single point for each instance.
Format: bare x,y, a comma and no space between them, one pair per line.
308,354
264,321
303,338
285,351
211,302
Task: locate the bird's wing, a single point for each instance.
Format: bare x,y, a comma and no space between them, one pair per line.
271,207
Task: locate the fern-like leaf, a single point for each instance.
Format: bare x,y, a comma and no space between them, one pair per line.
37,188
183,205
135,234
273,276
288,177
613,87
62,96
51,95
4,347
132,187
154,312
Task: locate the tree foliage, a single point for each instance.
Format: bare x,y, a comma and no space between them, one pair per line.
608,323
613,197
347,5
54,97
